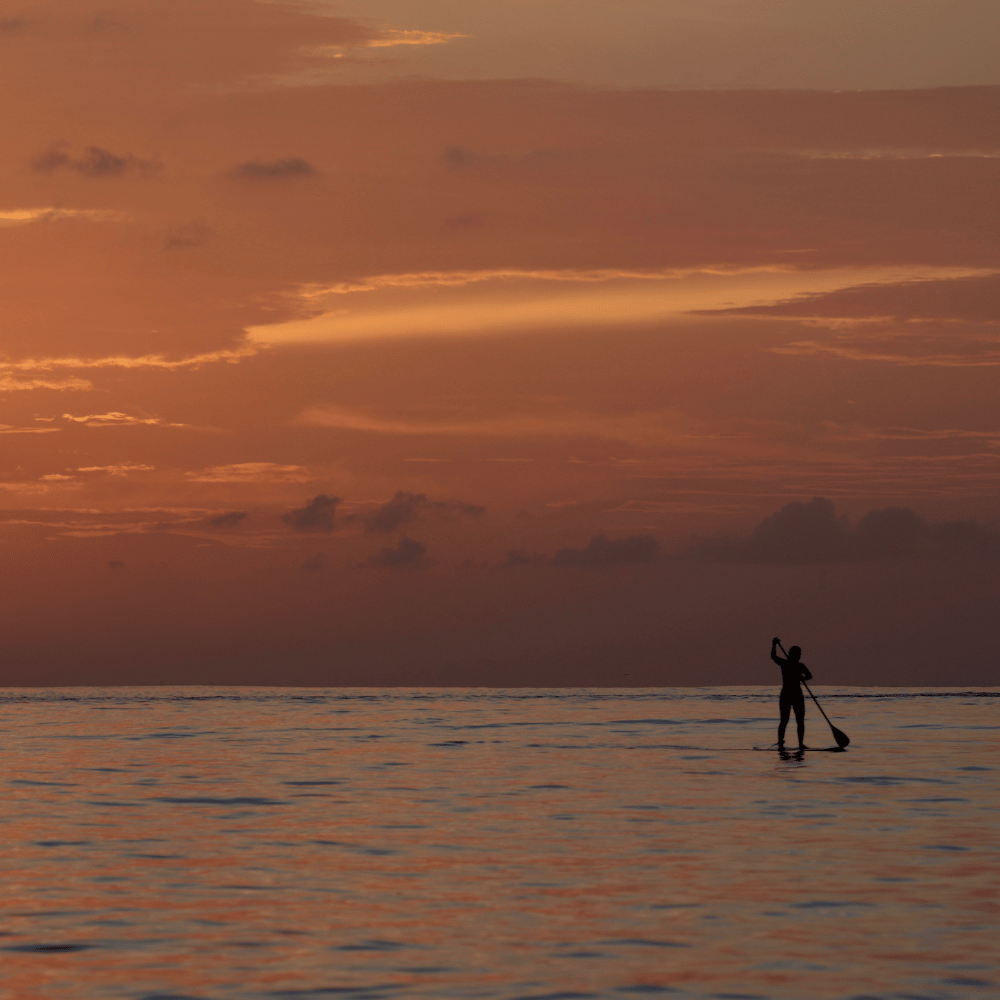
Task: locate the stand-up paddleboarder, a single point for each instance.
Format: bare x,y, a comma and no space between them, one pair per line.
792,674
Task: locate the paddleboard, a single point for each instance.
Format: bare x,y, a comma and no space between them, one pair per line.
791,750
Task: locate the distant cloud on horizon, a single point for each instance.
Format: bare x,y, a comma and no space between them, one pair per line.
95,163
315,516
602,551
407,554
226,521
809,533
405,508
294,166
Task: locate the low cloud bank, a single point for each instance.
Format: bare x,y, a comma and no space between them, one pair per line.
522,557
602,551
803,533
408,554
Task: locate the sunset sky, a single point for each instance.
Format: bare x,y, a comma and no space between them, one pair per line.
488,342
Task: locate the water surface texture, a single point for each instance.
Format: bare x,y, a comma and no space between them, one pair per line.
221,843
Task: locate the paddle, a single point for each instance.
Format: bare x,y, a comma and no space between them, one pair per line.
842,738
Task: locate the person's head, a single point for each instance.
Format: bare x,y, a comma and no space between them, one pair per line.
794,653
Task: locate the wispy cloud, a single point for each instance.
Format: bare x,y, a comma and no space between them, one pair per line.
25,487
117,419
10,384
117,470
253,472
906,347
8,368
638,428
892,154
619,297
452,279
386,38
24,216
669,507
393,38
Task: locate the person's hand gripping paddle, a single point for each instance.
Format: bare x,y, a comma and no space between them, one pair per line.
842,738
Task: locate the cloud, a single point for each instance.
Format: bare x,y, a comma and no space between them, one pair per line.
190,236
892,532
950,322
117,419
231,520
117,470
674,507
898,533
317,515
408,554
943,439
602,551
253,473
591,298
404,508
974,297
465,222
9,383
965,539
808,533
457,156
521,557
230,356
645,428
9,429
294,166
24,216
392,38
95,163
913,345
415,280
23,487
800,532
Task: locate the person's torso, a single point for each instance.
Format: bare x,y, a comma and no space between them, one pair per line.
791,675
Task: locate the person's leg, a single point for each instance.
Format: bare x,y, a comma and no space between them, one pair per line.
799,704
785,705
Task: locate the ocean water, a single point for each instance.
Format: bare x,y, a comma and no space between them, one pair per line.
250,843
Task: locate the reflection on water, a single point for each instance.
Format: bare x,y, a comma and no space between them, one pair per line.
249,843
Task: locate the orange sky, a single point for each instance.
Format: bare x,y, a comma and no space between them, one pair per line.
495,258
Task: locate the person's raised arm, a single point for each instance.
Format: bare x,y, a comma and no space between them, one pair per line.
774,656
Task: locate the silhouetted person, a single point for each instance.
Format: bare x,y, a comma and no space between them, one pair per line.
792,674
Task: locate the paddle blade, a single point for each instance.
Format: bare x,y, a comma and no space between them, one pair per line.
842,738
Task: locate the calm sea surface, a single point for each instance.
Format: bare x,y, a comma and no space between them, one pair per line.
252,843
